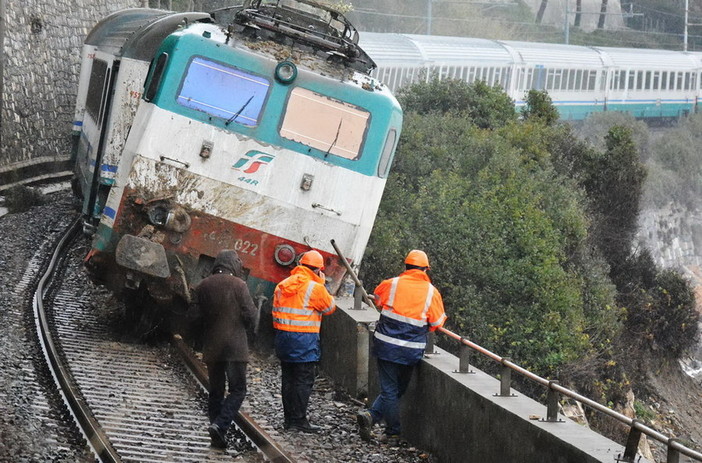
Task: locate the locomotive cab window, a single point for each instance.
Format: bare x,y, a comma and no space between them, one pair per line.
96,89
223,91
328,125
158,66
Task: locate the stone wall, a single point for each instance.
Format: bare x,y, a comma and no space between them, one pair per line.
42,41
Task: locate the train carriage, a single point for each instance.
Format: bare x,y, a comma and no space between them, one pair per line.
652,85
266,135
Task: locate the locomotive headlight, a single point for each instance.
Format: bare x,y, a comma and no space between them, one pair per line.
285,72
284,254
167,214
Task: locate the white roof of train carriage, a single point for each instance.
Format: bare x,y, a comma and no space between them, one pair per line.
406,50
647,58
411,50
556,55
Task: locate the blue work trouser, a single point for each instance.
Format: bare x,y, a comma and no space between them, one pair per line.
220,410
394,379
298,379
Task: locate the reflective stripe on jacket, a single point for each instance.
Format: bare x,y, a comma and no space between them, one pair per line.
299,302
411,307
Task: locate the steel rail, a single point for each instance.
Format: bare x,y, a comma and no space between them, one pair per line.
633,423
259,437
95,437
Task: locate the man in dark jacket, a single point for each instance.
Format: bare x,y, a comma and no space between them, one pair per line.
227,311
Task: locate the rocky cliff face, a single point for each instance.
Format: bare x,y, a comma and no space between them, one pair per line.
673,234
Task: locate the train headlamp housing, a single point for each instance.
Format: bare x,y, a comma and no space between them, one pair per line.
285,72
284,254
168,215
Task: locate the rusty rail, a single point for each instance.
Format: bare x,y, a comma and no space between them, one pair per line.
675,448
271,450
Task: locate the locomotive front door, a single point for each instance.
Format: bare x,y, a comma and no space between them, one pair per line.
92,141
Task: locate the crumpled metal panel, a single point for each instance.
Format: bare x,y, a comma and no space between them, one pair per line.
142,255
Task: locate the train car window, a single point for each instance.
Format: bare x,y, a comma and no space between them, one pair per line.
529,79
539,78
578,80
223,91
159,66
639,80
328,125
105,93
386,155
631,76
98,75
656,81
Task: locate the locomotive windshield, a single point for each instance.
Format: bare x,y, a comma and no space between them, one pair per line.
328,125
223,91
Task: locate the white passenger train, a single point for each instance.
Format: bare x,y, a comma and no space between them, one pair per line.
647,83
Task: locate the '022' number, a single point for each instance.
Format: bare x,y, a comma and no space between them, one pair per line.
247,247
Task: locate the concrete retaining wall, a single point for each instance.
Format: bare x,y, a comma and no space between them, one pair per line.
42,40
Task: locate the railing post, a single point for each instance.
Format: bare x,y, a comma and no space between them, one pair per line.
632,442
464,359
505,379
430,343
673,455
552,403
357,297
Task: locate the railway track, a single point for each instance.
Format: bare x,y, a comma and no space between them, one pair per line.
133,402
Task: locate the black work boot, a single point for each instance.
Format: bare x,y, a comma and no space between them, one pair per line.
217,438
304,426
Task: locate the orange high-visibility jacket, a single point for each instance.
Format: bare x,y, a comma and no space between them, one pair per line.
411,307
300,301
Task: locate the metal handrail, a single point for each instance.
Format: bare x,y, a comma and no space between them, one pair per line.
675,448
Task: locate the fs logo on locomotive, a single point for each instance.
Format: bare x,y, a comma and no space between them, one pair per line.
252,161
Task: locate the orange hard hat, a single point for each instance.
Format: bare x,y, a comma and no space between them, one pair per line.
418,258
313,259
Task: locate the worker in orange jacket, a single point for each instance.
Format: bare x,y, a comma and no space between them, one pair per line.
410,308
299,302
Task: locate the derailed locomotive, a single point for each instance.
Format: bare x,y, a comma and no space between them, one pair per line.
262,133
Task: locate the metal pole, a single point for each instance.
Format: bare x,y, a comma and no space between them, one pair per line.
464,359
552,403
429,349
429,2
566,26
505,379
2,61
687,4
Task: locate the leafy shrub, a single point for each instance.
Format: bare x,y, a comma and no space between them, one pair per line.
661,313
486,107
